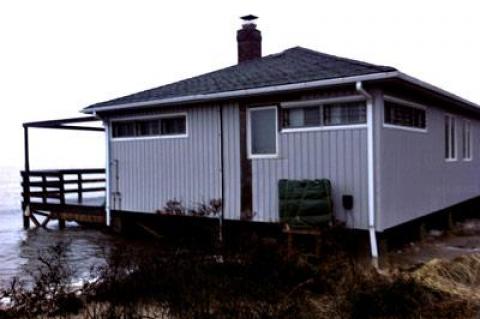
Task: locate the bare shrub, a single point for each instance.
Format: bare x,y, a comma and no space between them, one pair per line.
50,292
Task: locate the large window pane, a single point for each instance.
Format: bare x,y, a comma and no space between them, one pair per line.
263,131
344,113
402,115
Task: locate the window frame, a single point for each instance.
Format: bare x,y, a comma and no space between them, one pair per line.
396,100
448,139
470,144
320,103
150,117
250,110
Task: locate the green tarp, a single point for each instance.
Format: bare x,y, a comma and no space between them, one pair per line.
305,202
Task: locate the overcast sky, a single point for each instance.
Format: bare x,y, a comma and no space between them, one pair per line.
58,56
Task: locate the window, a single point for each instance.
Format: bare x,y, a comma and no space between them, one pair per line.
402,115
262,128
301,117
467,141
325,115
344,114
450,138
173,126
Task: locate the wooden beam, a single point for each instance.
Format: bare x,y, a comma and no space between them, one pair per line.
61,121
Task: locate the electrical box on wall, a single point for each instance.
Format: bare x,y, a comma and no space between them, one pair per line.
347,202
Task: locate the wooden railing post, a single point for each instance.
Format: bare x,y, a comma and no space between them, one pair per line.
62,188
44,189
80,190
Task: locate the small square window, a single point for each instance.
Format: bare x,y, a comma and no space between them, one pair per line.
262,132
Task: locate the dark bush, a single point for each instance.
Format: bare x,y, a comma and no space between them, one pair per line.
400,299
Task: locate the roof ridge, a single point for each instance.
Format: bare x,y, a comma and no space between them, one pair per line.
337,57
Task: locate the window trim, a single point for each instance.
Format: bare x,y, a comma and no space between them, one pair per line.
149,117
323,128
455,140
470,139
397,100
249,133
321,103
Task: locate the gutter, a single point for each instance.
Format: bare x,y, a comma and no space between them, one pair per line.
247,92
285,88
371,176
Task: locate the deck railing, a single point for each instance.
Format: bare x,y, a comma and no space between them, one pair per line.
58,186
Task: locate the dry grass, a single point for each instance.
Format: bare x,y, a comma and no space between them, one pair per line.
459,277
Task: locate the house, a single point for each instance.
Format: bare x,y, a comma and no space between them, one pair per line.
396,147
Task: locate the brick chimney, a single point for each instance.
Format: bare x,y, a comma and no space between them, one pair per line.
249,40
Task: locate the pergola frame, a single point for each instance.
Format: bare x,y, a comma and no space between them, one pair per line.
61,124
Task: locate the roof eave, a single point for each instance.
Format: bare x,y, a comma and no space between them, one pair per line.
244,93
284,88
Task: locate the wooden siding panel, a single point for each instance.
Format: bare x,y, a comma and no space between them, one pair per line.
339,155
415,179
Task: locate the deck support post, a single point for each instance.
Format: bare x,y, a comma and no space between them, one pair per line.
26,182
61,223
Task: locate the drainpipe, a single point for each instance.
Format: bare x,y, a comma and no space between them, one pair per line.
371,177
222,215
107,173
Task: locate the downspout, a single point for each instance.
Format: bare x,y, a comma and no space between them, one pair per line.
222,213
107,174
371,176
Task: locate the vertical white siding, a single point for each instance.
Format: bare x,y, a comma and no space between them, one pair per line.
154,171
338,155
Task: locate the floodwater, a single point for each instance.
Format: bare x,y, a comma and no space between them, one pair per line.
20,249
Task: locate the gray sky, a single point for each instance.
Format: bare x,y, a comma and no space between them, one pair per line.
59,56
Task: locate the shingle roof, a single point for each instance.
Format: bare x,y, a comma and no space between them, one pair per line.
295,65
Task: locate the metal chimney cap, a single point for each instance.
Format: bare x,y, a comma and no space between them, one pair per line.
249,18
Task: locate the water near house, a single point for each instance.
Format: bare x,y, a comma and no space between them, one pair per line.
20,249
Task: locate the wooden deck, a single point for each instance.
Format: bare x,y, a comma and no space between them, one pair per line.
63,195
